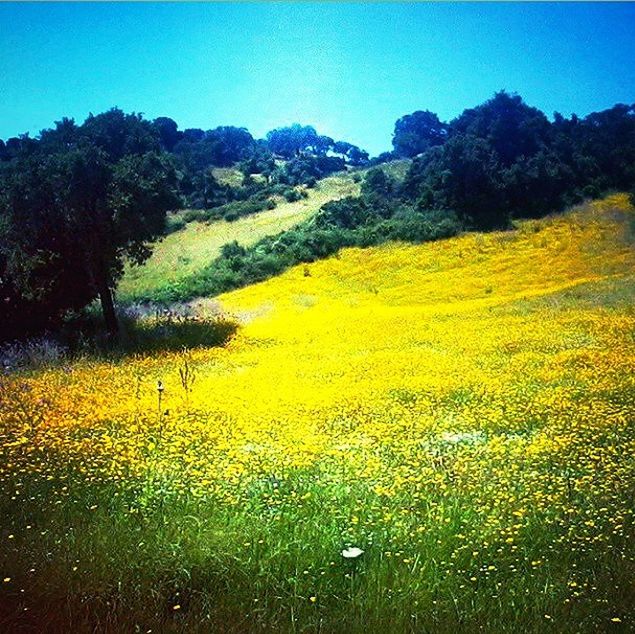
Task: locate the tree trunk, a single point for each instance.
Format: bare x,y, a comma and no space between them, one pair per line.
108,308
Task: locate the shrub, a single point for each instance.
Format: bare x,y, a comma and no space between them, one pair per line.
174,224
292,195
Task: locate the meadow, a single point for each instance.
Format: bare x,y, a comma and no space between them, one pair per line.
405,438
185,252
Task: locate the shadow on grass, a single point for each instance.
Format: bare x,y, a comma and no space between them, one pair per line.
173,334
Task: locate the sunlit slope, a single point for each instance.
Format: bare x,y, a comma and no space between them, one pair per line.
187,251
540,257
461,312
360,347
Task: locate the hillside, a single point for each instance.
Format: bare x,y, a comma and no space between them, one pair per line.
540,257
185,252
461,411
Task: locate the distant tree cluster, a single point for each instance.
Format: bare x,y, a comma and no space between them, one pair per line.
291,155
505,159
295,140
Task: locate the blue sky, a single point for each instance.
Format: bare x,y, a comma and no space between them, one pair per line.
349,69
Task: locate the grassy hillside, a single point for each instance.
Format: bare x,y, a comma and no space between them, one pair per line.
228,176
461,411
184,252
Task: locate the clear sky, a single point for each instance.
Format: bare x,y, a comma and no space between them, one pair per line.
349,69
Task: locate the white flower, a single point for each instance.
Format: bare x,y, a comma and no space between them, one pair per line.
352,553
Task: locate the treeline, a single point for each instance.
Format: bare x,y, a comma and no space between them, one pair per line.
293,155
504,159
79,200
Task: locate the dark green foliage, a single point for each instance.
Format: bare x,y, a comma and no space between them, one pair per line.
174,223
86,198
220,147
302,141
260,161
540,184
608,139
238,209
114,132
306,168
417,132
230,211
290,141
202,190
168,132
347,213
291,195
464,175
510,127
418,226
378,187
351,153
504,159
42,275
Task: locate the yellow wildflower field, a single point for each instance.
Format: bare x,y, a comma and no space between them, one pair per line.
461,411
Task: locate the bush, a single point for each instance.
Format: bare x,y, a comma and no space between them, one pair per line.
413,226
292,195
174,224
192,215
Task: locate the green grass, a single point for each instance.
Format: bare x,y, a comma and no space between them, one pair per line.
132,559
228,176
185,252
397,169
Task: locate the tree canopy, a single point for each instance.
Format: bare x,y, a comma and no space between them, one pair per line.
417,132
505,159
73,209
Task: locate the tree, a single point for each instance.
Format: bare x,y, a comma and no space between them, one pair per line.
41,274
464,176
609,137
119,134
377,184
220,147
228,145
417,132
72,214
291,140
208,192
356,156
511,127
168,132
351,153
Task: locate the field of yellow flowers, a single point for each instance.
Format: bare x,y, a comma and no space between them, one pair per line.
434,438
